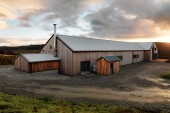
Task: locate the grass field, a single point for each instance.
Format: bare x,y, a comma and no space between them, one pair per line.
22,104
165,75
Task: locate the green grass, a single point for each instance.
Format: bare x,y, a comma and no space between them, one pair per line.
165,75
23,104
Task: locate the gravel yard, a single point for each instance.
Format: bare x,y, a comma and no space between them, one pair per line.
137,85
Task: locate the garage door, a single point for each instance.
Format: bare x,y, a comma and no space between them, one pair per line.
85,66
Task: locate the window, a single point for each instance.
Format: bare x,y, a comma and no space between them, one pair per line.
120,57
50,46
136,56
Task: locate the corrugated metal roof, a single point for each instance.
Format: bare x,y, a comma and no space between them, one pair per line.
90,44
111,58
146,45
39,57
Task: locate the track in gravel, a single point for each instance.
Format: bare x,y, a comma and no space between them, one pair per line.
137,83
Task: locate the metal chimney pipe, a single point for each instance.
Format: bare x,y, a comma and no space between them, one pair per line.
55,37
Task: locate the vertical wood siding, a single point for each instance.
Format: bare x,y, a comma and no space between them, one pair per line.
71,61
147,56
103,67
141,56
93,56
21,64
116,67
44,66
65,54
47,49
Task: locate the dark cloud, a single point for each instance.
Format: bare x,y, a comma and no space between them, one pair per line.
132,19
96,22
51,17
65,11
142,8
114,18
25,24
108,23
161,16
30,13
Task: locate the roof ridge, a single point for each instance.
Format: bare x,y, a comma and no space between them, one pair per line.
139,43
92,44
94,38
141,46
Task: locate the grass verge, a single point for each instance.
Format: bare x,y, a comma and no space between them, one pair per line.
23,104
165,75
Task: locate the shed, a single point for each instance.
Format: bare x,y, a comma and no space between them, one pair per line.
37,62
107,65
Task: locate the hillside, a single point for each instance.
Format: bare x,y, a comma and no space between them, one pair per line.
30,47
163,49
8,54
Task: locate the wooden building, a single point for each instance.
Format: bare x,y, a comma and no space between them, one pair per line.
37,62
107,65
79,54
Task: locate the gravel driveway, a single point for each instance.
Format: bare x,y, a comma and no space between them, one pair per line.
137,85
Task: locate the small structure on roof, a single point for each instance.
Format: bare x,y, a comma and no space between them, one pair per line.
36,62
107,65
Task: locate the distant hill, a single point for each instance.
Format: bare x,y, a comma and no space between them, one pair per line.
29,47
163,49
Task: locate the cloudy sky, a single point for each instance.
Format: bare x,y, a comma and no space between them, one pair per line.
24,22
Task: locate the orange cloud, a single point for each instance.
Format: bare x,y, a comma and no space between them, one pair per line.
12,9
3,24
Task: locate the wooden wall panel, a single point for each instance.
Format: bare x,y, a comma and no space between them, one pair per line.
141,56
127,56
151,55
116,67
93,56
70,61
21,64
103,67
65,54
47,49
147,56
44,66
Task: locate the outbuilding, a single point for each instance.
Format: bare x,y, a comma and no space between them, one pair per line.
107,65
37,62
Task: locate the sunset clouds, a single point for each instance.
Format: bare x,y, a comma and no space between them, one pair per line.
147,20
